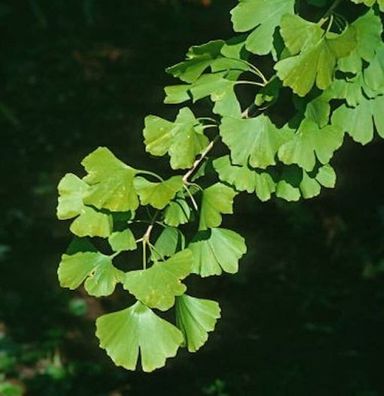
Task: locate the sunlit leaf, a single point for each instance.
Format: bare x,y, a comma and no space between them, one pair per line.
125,334
314,54
95,269
122,241
253,141
196,317
217,250
92,223
359,122
216,200
71,191
158,285
310,143
262,16
169,241
183,140
368,36
111,182
177,212
158,194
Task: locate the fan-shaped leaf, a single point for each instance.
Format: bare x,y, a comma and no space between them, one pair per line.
125,333
315,54
195,317
158,194
183,140
310,143
217,250
157,286
359,122
177,212
122,241
216,200
253,141
262,16
95,269
111,182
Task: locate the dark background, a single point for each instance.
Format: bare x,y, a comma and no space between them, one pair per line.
305,315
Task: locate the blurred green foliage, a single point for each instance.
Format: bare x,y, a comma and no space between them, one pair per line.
80,74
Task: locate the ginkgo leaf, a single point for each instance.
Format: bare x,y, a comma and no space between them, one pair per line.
92,223
188,140
217,250
315,54
170,240
359,121
201,57
370,3
253,141
94,268
220,90
374,73
262,16
318,110
183,140
177,212
111,182
309,143
158,194
122,241
216,86
124,334
243,178
71,191
158,285
368,30
196,317
216,200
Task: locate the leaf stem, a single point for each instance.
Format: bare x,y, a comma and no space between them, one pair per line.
335,4
200,160
156,176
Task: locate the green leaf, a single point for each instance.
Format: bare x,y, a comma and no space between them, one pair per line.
158,194
183,140
111,182
196,317
359,121
125,333
177,212
220,90
319,111
216,200
368,36
243,178
315,54
170,240
253,141
122,241
217,250
71,191
157,286
374,73
95,269
262,16
92,223
201,57
216,86
370,3
309,143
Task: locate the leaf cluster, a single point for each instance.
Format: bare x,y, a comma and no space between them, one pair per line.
330,70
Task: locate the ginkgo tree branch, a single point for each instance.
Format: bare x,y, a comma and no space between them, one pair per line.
289,162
